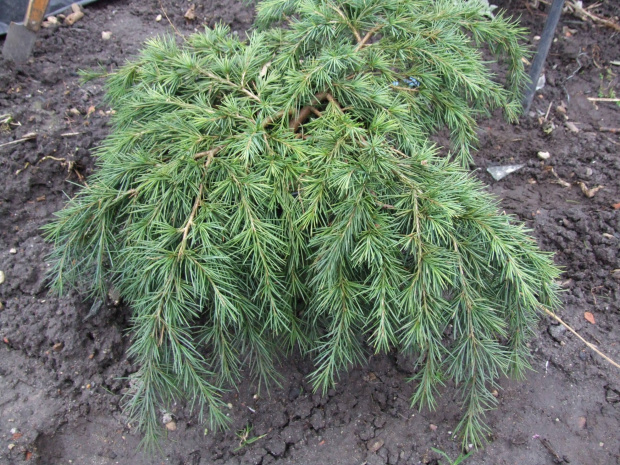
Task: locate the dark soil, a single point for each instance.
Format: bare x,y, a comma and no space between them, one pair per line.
62,370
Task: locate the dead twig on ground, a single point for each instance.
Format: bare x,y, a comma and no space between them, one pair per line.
29,136
589,344
576,8
601,99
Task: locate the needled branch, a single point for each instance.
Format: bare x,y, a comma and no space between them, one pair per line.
190,220
348,23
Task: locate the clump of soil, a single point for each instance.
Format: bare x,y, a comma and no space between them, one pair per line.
63,367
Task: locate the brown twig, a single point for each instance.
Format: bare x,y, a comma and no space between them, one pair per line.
346,20
304,113
590,345
612,130
190,220
209,154
333,101
367,37
29,136
163,10
583,13
598,99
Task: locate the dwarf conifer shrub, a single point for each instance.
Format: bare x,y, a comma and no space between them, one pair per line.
282,192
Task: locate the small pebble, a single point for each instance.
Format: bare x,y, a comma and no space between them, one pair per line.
433,427
544,155
375,444
106,35
171,426
1,277
167,418
158,18
13,251
13,445
571,127
229,405
589,172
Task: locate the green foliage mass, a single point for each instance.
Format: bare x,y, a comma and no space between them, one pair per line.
282,192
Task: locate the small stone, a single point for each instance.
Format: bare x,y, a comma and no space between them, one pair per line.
11,446
13,251
589,172
536,38
495,393
58,346
572,127
544,155
2,277
582,422
229,405
556,332
52,19
276,447
294,393
601,444
171,426
158,18
500,172
375,444
317,420
433,427
166,418
106,35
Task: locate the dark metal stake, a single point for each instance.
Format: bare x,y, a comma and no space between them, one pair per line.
543,50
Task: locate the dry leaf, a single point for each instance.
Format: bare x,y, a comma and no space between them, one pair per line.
16,436
91,110
589,193
190,14
28,455
588,316
264,69
616,206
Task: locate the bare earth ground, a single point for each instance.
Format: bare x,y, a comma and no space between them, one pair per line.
61,373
